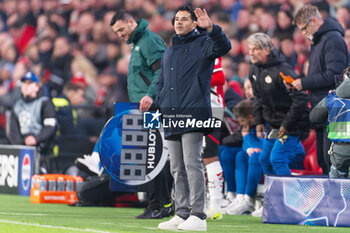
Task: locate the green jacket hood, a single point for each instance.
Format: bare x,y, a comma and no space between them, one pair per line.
140,29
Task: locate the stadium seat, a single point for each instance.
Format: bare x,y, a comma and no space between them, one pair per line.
310,161
236,86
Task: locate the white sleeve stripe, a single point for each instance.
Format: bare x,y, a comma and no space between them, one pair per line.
50,122
218,69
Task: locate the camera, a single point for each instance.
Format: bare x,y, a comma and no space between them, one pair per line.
273,134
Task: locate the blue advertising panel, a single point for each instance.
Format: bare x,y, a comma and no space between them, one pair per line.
307,201
26,171
131,153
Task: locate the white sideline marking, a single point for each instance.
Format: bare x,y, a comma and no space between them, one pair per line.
233,226
49,226
32,214
320,228
149,228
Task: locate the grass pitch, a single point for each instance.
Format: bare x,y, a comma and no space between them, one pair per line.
18,215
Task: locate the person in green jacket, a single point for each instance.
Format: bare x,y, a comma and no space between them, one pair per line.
146,53
143,71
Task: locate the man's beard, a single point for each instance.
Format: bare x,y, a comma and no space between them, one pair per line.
28,99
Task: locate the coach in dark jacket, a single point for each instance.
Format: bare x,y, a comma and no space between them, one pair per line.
282,110
183,86
274,104
329,57
183,93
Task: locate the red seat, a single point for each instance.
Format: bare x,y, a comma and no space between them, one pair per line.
310,161
2,120
236,86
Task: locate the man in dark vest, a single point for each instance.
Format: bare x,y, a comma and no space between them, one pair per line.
33,120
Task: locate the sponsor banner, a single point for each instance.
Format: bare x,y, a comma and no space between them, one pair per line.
307,201
130,153
8,171
26,171
16,169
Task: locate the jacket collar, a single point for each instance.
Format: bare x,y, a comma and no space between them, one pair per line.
140,29
329,24
186,38
275,57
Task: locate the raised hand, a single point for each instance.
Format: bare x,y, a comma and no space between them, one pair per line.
203,19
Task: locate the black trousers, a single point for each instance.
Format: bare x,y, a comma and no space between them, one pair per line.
322,146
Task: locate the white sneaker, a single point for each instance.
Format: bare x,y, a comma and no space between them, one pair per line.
258,212
239,199
90,163
212,215
172,224
230,197
193,223
225,202
246,207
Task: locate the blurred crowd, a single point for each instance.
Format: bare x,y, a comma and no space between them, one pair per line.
70,41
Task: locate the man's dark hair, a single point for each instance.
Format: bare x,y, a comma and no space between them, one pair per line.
243,109
188,9
120,15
